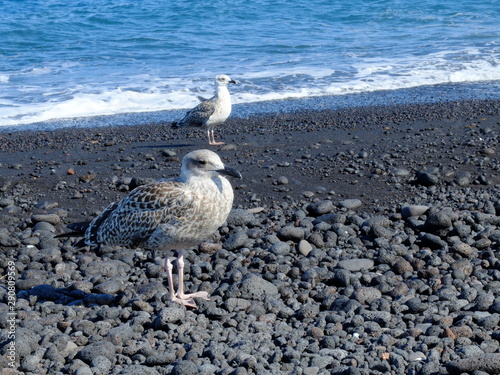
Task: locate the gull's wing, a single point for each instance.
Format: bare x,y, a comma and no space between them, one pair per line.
131,221
200,114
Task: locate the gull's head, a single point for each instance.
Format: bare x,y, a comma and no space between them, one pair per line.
224,80
205,163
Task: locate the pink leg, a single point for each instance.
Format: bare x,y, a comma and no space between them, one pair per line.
180,297
212,141
170,279
208,136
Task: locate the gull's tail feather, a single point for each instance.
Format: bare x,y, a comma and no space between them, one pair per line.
77,230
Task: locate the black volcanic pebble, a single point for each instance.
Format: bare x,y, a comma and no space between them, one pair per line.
426,179
291,233
320,208
437,221
236,240
99,348
488,363
240,217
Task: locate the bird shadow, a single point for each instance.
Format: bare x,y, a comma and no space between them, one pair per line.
66,296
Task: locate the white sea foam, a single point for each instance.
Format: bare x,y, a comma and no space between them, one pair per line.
105,103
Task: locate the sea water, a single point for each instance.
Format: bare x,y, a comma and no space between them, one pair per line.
64,61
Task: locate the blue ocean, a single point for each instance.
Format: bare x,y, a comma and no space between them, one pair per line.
63,61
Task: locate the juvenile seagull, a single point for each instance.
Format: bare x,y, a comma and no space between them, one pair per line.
172,214
210,112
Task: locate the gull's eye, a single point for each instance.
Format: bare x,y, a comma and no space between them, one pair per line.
202,162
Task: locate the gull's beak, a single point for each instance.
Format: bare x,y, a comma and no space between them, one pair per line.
229,172
233,81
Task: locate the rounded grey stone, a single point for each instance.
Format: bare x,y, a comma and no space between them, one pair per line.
401,266
235,241
463,249
309,310
401,172
462,230
169,315
320,208
351,204
417,356
30,363
341,277
355,265
207,369
304,247
366,294
343,231
280,248
463,179
44,226
139,369
378,231
161,359
8,241
185,368
331,219
291,233
101,364
239,217
438,220
282,180
482,243
427,179
489,322
415,305
489,363
4,202
109,287
48,218
120,334
316,239
413,210
484,301
432,241
255,287
84,370
103,348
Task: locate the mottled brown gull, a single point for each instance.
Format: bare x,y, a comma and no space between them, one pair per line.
210,112
170,214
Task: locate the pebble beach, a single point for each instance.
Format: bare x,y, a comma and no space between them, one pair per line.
363,240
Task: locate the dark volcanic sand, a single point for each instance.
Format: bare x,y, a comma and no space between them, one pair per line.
444,156
354,153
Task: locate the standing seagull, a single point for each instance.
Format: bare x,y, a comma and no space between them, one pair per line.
172,214
210,112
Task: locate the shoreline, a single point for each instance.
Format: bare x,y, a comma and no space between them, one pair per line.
430,94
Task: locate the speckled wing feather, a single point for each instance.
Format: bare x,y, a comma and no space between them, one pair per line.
200,114
131,221
93,228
